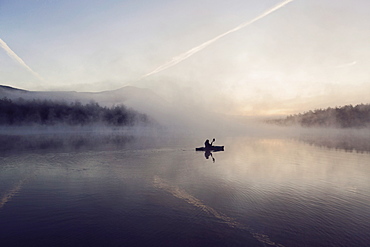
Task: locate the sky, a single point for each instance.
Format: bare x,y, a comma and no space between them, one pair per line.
304,55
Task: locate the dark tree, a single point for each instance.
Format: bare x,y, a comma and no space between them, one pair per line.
46,112
340,117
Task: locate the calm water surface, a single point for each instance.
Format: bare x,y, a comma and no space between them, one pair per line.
138,191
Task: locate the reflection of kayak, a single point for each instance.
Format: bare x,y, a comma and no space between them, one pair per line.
213,148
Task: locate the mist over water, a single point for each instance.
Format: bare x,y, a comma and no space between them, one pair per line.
272,186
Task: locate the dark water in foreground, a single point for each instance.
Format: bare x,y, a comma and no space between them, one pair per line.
137,191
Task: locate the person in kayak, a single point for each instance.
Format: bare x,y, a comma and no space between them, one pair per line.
207,144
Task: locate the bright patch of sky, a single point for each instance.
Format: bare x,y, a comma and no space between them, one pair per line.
307,54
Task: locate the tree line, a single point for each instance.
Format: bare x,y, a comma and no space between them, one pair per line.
47,112
347,116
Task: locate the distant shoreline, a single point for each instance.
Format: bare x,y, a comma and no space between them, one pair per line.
56,113
347,116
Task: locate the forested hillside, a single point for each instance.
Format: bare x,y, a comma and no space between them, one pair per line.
47,112
340,117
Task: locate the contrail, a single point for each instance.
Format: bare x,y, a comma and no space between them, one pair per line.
196,49
346,65
15,57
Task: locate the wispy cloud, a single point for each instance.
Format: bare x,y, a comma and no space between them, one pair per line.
16,58
346,65
196,49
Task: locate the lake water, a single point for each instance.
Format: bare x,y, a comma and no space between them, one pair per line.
123,190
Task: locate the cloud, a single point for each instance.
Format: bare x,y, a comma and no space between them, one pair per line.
196,49
346,65
16,58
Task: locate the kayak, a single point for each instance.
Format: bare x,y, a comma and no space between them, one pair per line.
213,148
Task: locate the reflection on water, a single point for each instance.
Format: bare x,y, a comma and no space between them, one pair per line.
232,223
9,194
119,190
347,140
67,142
208,154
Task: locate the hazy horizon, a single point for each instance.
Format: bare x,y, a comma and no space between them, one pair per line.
236,57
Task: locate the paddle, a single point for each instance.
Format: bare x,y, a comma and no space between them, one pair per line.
213,141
